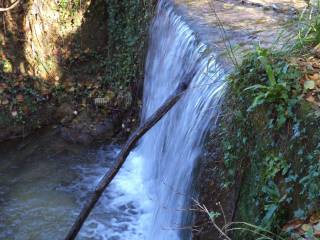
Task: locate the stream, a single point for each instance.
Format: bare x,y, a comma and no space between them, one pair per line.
45,180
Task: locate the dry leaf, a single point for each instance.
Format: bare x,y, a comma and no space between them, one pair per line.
3,86
20,98
292,225
310,99
314,77
306,227
45,91
26,109
315,218
316,50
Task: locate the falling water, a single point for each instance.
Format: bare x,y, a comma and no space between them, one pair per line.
149,198
171,149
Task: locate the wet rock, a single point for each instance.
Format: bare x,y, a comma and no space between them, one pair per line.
64,113
83,129
211,190
14,130
104,130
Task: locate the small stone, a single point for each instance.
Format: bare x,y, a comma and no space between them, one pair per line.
72,89
14,113
5,102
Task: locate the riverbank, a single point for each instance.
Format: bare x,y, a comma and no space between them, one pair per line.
260,170
68,64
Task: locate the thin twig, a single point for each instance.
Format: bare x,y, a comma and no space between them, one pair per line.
226,41
204,208
10,7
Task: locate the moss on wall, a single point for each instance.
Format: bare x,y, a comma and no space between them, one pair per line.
271,137
75,50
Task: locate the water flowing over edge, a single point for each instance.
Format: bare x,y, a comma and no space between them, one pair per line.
169,152
150,196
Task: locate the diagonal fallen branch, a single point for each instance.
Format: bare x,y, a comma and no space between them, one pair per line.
107,178
10,7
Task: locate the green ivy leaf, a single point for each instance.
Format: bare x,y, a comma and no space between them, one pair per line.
214,215
309,85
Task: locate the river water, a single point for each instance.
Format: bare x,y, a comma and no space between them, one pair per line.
44,181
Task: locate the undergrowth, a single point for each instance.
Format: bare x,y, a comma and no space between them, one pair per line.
127,41
271,137
116,66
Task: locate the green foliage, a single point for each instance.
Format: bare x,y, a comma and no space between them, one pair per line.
6,66
127,26
309,30
70,5
271,135
17,111
214,215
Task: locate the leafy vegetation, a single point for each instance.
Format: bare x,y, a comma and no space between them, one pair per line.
127,35
69,64
271,136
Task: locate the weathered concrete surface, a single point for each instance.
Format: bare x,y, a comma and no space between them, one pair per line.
241,23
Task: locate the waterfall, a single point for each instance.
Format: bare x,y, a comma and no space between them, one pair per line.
150,197
170,150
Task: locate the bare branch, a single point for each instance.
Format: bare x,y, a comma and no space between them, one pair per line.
108,177
13,5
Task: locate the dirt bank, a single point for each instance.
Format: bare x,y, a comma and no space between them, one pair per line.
65,63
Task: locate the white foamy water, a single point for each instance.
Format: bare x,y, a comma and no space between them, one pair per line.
150,197
168,153
124,208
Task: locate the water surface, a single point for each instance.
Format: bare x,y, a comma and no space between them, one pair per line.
44,181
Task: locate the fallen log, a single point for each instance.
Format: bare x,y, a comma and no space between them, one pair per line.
107,178
10,7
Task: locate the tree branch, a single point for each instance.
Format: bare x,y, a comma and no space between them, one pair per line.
105,181
13,5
